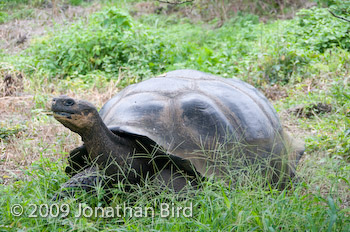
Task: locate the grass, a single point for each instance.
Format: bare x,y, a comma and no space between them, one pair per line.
34,146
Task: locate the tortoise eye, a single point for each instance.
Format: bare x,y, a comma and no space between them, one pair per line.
69,102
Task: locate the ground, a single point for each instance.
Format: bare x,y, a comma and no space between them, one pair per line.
29,132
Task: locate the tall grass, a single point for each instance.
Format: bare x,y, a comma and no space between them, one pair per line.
243,206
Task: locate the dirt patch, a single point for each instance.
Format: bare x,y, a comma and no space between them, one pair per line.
39,136
275,92
11,81
20,151
14,111
292,126
10,107
144,8
11,84
308,111
16,35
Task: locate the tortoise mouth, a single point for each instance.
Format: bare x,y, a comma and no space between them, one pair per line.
63,114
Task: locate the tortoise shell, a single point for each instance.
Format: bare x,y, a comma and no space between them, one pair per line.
192,115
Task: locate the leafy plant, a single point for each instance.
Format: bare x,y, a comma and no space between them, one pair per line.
3,17
317,29
108,42
340,7
280,66
75,2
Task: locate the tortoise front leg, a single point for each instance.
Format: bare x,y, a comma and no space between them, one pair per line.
89,180
77,161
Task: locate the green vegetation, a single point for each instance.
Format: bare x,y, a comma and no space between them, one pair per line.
307,58
111,39
6,132
214,208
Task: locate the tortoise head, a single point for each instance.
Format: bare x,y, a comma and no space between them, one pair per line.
77,115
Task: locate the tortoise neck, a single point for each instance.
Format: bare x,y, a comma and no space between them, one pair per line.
104,146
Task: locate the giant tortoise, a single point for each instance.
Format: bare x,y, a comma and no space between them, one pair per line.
174,129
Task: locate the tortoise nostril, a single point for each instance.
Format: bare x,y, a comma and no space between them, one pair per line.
69,102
